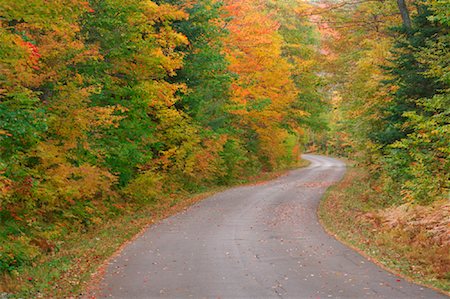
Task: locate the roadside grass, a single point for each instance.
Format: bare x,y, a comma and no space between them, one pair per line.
77,264
302,163
358,214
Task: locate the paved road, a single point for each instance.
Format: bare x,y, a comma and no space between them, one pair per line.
260,241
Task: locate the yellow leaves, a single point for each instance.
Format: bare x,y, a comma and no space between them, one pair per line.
197,159
82,182
184,151
5,187
15,67
146,187
45,41
155,41
158,94
105,116
4,132
436,57
168,39
66,182
441,10
168,60
72,118
162,12
49,155
150,9
169,12
302,65
272,140
175,129
207,161
264,92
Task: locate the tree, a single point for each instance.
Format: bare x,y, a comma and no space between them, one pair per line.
263,94
205,71
408,75
404,13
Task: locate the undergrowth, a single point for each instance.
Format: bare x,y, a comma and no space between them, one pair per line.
401,237
49,260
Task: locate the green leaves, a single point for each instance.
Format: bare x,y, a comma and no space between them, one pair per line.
104,102
426,151
395,104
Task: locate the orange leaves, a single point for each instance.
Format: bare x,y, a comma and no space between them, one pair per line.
33,54
18,61
5,187
254,49
207,160
72,118
45,38
105,116
66,181
160,13
86,6
264,91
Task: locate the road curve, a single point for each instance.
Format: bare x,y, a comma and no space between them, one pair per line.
261,241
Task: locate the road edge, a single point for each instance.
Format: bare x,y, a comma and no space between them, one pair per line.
360,251
92,285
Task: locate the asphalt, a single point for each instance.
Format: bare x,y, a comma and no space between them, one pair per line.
261,241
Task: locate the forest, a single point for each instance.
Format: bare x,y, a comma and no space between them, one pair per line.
109,107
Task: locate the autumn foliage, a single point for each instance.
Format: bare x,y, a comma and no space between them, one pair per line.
264,92
393,85
107,104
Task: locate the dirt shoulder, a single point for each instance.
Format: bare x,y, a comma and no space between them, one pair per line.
82,255
408,240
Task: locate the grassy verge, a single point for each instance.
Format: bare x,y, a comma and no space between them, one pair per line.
68,271
408,240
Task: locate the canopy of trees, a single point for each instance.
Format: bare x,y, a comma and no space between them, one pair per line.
112,103
394,103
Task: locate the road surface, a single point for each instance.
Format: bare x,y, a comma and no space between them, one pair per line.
261,241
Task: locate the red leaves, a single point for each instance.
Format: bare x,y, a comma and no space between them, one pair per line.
24,187
34,55
86,5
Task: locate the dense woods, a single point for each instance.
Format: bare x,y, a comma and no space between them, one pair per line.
389,79
107,106
394,96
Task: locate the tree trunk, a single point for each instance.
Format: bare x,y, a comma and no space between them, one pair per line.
404,13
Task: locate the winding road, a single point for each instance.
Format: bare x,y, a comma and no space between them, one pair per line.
259,241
